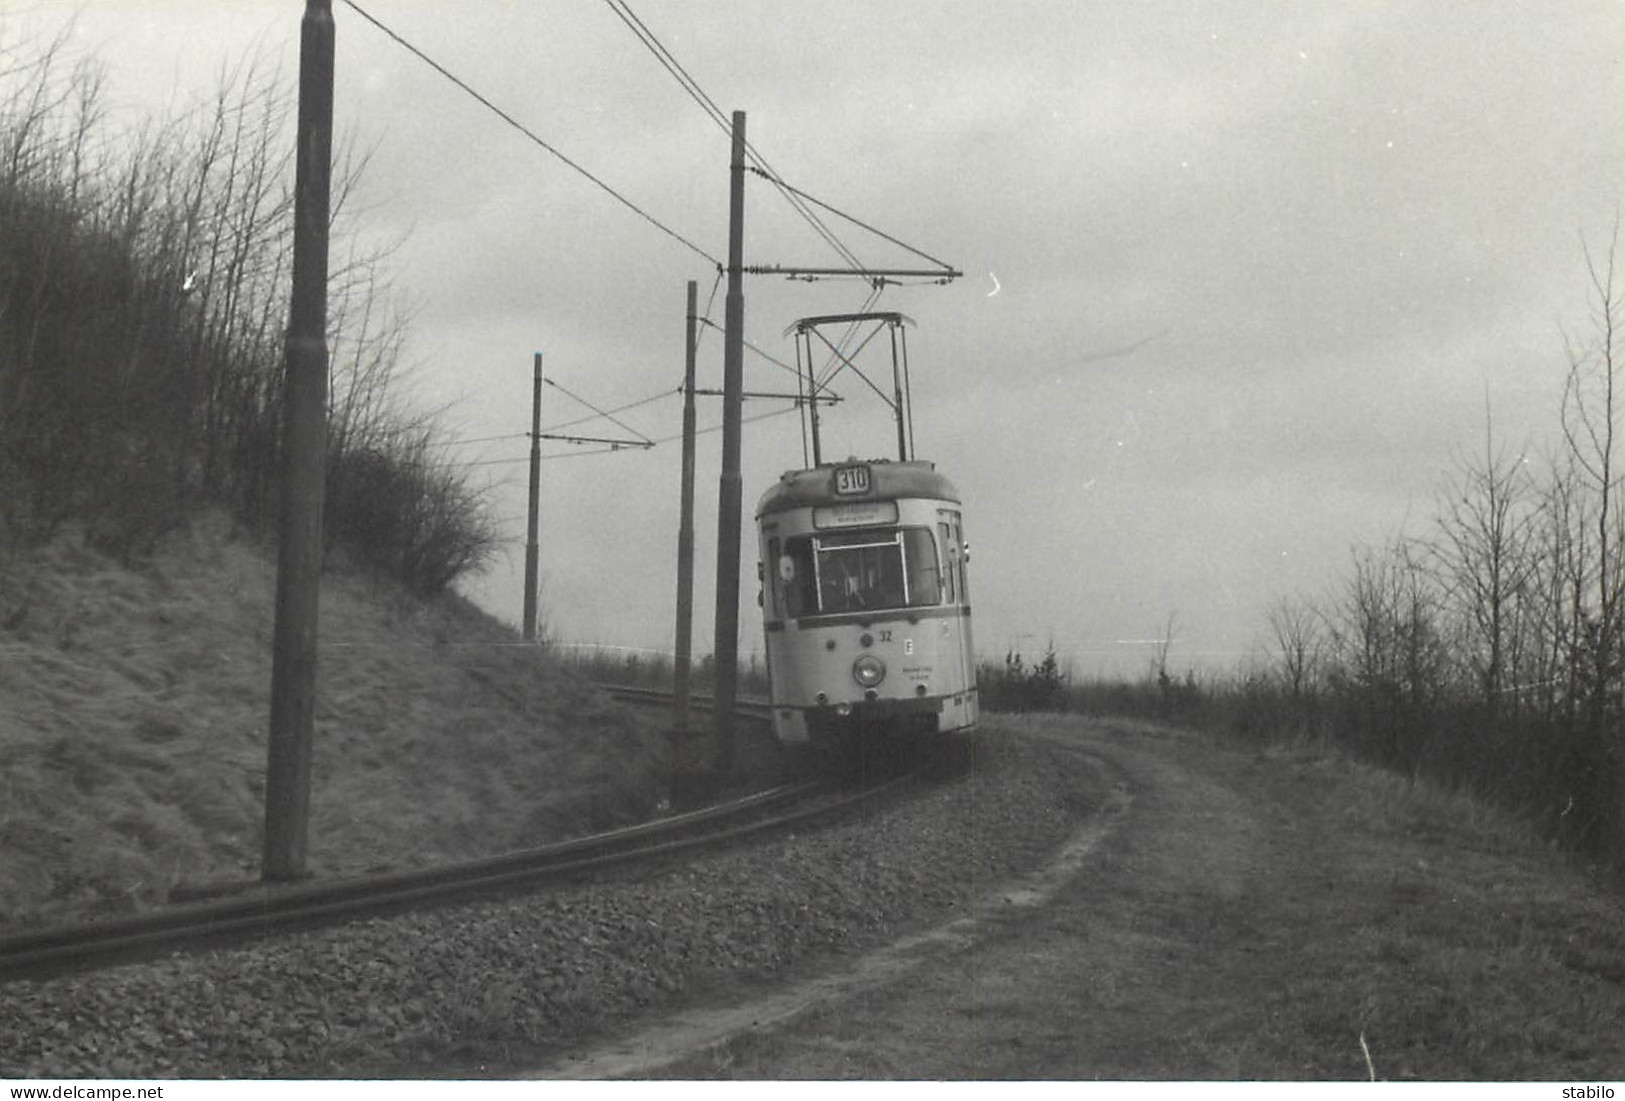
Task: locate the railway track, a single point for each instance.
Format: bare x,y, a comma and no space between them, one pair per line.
753,710
268,910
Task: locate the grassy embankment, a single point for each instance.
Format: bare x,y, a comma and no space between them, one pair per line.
133,715
143,301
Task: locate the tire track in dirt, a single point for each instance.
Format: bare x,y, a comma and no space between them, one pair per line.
700,1034
1085,957
1241,914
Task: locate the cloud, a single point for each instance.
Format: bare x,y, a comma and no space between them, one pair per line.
1259,265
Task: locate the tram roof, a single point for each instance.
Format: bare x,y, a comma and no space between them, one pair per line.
888,481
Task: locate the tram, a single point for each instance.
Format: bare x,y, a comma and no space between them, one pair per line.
865,592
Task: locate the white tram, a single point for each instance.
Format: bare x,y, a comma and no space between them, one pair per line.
865,603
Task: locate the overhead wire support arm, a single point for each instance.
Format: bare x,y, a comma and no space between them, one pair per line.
827,399
944,275
946,271
614,445
616,421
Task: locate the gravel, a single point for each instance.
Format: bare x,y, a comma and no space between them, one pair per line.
477,988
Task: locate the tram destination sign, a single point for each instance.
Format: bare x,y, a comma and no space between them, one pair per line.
851,481
857,514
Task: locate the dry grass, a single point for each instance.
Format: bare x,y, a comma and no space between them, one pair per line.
133,715
1276,914
1413,932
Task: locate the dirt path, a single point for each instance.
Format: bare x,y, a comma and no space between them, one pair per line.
1226,917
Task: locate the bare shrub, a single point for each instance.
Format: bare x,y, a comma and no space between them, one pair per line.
143,299
400,509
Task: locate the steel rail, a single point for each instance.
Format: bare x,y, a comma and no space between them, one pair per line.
756,710
268,910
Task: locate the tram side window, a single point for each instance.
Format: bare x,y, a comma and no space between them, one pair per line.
953,540
796,584
772,586
949,560
962,561
926,581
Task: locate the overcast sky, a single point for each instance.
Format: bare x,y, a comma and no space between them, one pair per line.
1240,277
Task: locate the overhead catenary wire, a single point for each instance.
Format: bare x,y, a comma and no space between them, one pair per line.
707,322
709,106
543,458
799,200
458,441
607,413
607,416
531,134
644,441
705,319
550,431
743,420
655,442
669,62
947,268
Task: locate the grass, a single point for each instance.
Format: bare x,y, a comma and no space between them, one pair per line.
1275,913
1288,913
133,715
1397,927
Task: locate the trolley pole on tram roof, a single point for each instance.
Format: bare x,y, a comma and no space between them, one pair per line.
532,548
304,465
685,531
729,503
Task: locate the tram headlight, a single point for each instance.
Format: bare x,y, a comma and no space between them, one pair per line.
868,670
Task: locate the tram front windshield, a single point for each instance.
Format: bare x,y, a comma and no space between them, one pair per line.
857,571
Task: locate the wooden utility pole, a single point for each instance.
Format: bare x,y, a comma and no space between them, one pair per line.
685,532
532,548
729,502
304,465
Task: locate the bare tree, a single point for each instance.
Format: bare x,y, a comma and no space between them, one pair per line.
1558,594
1592,407
1485,553
1592,404
143,297
1392,652
1300,641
